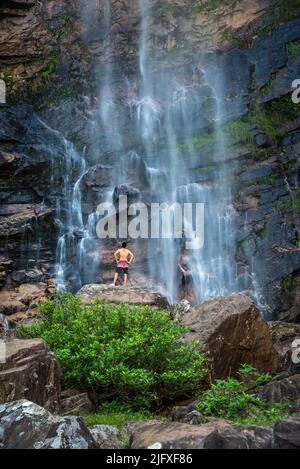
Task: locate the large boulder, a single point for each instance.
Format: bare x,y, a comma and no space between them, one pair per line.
287,433
284,390
25,425
241,437
69,433
173,435
118,295
32,372
232,332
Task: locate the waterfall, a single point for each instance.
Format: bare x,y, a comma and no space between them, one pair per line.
148,123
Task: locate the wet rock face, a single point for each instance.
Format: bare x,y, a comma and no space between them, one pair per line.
31,372
32,161
233,333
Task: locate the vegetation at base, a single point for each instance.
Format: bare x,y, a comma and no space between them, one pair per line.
116,414
134,354
236,399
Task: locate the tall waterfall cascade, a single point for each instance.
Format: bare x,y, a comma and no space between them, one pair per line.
148,125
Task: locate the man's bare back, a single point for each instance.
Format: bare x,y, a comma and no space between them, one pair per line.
124,254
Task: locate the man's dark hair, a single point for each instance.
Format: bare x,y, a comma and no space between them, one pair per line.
124,245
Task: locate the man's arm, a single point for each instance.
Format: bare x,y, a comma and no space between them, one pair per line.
116,254
131,257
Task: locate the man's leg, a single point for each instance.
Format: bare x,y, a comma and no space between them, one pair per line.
116,278
125,279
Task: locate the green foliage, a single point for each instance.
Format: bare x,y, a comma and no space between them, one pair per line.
289,204
51,67
293,48
134,354
116,414
207,6
279,112
289,285
235,131
166,8
236,399
268,87
262,234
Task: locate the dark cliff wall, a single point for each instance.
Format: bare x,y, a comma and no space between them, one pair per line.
51,54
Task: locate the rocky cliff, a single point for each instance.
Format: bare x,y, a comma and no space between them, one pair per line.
52,56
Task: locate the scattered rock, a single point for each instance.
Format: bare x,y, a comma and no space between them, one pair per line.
31,372
233,333
69,433
241,437
25,425
173,435
285,390
79,403
284,335
181,308
128,295
287,433
107,437
180,412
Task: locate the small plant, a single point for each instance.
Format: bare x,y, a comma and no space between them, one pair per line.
289,285
133,354
268,87
51,67
293,48
116,413
236,399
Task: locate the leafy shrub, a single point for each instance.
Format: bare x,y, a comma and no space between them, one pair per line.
133,354
237,399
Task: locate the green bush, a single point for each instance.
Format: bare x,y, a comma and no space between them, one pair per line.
237,400
133,354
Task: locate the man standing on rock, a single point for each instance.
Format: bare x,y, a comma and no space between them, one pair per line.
123,258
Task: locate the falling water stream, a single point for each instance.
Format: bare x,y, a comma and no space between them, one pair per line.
161,109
